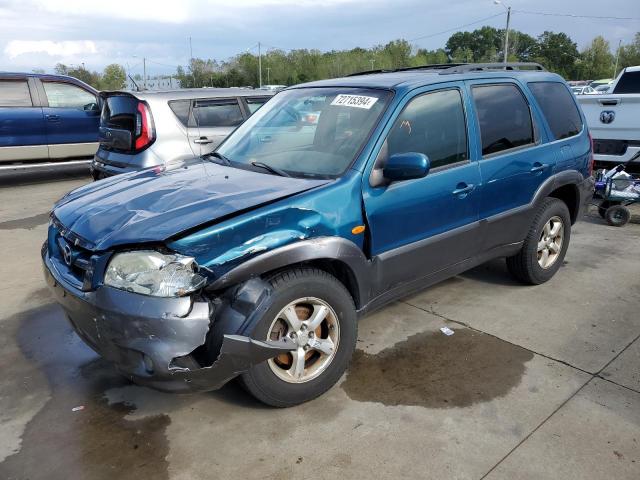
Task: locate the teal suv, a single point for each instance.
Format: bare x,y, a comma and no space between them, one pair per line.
336,197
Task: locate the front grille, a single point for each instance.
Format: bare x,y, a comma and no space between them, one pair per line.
75,261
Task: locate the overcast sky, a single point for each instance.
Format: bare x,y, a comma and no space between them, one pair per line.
41,33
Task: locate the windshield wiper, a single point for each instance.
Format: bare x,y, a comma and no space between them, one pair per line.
224,159
275,170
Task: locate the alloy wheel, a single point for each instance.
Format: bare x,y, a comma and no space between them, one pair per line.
550,242
314,327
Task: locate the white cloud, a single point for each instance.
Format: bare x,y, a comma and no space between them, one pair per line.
169,11
56,49
172,11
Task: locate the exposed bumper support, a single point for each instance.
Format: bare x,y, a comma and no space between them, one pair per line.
143,335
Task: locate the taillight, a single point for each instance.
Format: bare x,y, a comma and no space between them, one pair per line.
592,160
144,127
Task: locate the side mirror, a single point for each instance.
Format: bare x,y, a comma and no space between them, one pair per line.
406,166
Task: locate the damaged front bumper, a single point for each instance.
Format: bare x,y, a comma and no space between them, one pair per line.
145,337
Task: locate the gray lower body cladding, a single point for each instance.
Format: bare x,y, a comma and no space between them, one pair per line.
145,337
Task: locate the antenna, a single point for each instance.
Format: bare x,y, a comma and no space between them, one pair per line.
134,82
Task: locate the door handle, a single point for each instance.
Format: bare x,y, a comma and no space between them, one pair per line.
266,139
53,118
538,167
202,140
462,189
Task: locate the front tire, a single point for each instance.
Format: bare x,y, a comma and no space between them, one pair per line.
545,245
316,311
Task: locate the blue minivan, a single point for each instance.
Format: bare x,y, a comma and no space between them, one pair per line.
47,118
255,261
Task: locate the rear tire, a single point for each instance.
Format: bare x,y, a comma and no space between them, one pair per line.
617,215
602,208
282,381
544,248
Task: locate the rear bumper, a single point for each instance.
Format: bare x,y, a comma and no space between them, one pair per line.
143,336
107,163
631,152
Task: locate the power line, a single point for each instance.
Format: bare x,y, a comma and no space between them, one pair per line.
456,28
596,17
161,64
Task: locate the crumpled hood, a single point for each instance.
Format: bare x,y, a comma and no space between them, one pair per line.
153,205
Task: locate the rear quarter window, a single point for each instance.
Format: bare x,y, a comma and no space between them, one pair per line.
628,83
14,93
558,107
180,108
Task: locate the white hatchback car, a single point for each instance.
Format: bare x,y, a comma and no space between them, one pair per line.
144,129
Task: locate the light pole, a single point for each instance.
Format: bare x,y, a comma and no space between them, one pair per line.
259,65
615,68
506,32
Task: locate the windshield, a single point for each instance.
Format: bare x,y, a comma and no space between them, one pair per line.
309,132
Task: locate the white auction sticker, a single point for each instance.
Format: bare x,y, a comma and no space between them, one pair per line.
358,101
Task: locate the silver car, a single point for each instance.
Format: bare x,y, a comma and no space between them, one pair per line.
145,129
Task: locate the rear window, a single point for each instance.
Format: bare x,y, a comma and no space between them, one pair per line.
504,117
216,113
119,112
558,107
628,83
14,93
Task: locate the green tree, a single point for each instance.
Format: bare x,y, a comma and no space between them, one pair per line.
113,77
61,69
596,60
556,52
629,54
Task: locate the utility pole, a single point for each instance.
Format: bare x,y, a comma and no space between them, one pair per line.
506,37
615,69
259,65
144,72
506,31
372,62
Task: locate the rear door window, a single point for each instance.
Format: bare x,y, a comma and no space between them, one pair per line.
255,103
65,95
433,124
216,113
504,117
558,107
15,93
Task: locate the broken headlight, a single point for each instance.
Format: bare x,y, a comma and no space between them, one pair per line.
153,273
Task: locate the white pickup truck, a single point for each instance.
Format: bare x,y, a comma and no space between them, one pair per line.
614,119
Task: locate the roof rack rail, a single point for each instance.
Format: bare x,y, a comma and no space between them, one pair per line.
479,67
451,68
433,66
